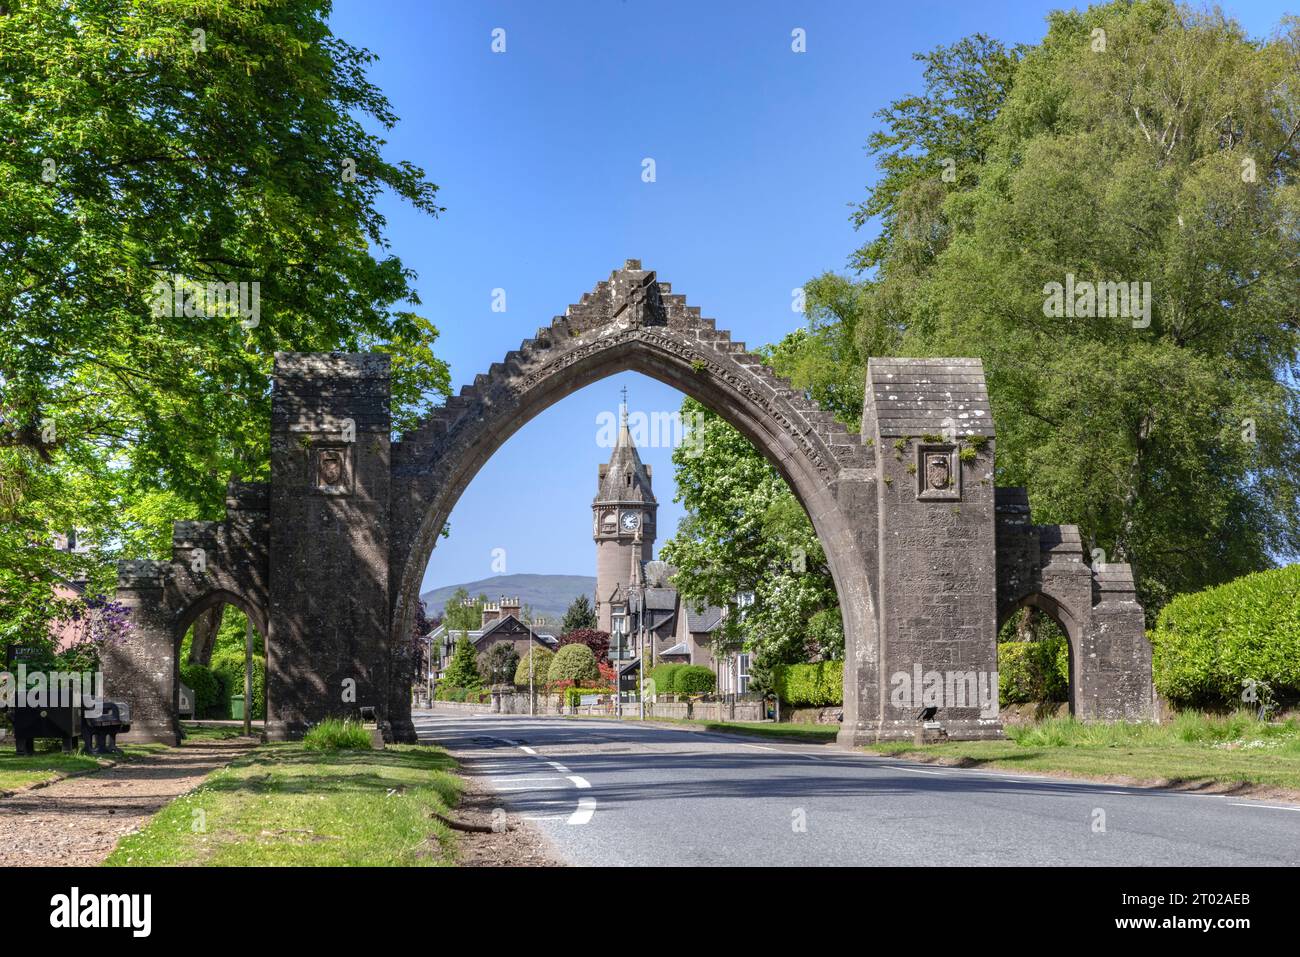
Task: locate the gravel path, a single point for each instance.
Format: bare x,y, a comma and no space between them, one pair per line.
79,821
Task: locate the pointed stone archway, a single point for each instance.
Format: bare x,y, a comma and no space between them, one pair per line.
905,510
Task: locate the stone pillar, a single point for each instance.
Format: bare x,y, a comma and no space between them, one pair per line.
932,430
140,669
1115,672
327,649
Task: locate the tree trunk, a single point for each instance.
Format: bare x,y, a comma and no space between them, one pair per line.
206,627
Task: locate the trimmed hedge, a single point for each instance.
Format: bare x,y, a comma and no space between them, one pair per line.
541,667
1206,645
228,668
472,695
694,679
817,685
663,677
206,687
576,663
1033,670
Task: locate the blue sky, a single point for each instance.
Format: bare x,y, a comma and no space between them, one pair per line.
759,152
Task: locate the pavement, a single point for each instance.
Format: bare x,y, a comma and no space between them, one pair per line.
607,792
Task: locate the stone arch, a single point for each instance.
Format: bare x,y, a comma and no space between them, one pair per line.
211,563
1096,605
633,322
1071,623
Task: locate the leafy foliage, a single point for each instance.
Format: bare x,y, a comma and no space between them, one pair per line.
1209,646
580,615
132,152
597,641
207,690
1033,670
574,663
462,671
816,685
539,662
498,663
745,534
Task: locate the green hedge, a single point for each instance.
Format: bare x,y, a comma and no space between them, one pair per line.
664,677
1033,670
816,685
472,695
1206,644
228,668
694,679
206,687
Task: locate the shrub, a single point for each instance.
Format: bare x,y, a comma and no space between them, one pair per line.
333,734
462,671
694,679
228,668
1033,670
1208,645
206,687
665,678
816,685
597,641
574,663
541,667
499,663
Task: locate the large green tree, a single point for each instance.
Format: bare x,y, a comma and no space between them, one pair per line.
745,544
1138,142
144,142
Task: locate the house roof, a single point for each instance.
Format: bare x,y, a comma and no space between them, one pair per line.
703,619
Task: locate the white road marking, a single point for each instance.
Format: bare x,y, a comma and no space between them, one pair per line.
559,767
586,808
915,770
1270,807
580,783
527,750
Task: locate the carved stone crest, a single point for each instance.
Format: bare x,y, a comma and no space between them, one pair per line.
331,470
938,472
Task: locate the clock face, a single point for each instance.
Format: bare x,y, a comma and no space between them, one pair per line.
631,520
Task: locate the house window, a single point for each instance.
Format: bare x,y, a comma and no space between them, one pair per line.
742,674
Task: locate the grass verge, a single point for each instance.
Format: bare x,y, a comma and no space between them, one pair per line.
1227,753
20,771
217,732
790,731
283,804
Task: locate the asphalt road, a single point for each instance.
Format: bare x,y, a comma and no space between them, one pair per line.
620,793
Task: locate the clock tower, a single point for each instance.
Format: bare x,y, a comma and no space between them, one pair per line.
623,521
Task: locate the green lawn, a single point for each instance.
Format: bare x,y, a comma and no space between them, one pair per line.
282,804
1224,751
220,732
17,772
789,730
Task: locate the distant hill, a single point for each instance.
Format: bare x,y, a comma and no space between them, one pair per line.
547,595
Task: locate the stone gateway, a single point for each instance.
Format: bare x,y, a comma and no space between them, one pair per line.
927,556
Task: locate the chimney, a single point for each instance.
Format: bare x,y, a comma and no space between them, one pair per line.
511,606
491,613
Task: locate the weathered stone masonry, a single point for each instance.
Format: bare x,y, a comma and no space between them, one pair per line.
926,555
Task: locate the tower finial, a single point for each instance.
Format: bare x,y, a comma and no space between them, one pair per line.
623,408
